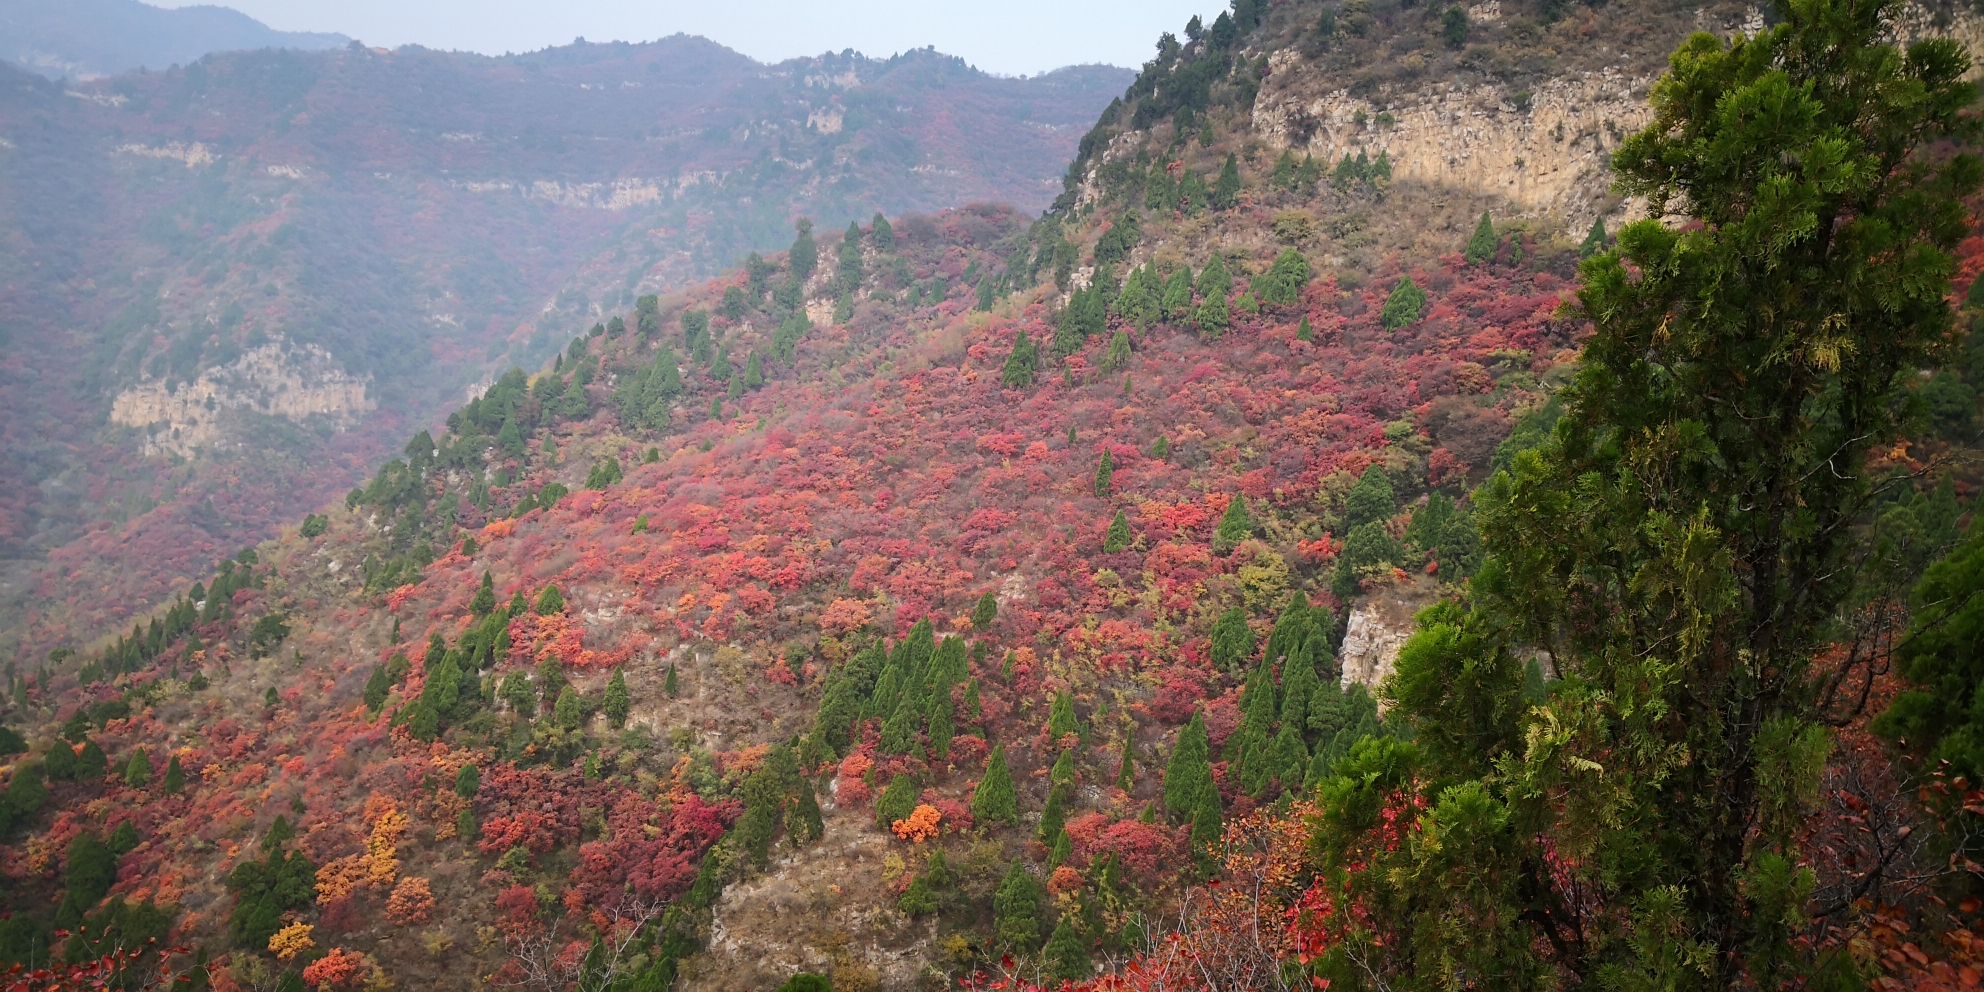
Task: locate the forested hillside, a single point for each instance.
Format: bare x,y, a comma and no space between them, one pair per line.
1272,567
233,286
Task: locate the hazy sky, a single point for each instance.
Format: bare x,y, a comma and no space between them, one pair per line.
1004,36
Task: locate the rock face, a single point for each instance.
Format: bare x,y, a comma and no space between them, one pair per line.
294,382
1378,628
1544,151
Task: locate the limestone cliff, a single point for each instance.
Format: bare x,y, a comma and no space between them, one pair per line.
294,382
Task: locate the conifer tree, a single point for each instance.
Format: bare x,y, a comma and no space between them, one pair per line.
1226,189
898,801
805,254
1105,473
1126,773
138,773
1403,306
1680,544
1177,300
1021,363
882,234
1118,536
175,777
550,601
1016,910
754,372
468,781
1234,526
1054,815
1481,245
484,602
1371,499
617,703
1066,954
996,800
91,763
1188,776
1232,639
1208,826
1061,720
1595,240
985,612
376,688
669,684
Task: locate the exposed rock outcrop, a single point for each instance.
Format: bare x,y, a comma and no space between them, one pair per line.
294,382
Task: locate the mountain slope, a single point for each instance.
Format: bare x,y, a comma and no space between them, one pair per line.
87,39
398,226
780,558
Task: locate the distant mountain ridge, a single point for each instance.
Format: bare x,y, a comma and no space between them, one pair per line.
86,39
269,263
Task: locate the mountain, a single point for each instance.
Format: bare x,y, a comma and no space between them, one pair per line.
954,596
88,39
233,285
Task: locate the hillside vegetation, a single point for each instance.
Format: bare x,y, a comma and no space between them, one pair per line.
970,599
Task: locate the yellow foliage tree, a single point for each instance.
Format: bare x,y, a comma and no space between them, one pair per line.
291,941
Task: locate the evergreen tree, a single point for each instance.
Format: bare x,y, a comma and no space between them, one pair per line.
882,234
669,684
805,255
1105,473
376,688
1188,777
1403,306
898,801
1226,189
468,781
550,601
1126,773
92,765
995,800
1595,239
1021,363
138,773
617,702
1016,910
1176,302
1054,815
1066,953
569,712
754,372
1281,284
1481,245
1118,536
175,777
1232,639
1235,525
985,612
1682,545
1061,720
1371,499
484,602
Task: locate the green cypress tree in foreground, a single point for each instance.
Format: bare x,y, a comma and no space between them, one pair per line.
1682,545
995,800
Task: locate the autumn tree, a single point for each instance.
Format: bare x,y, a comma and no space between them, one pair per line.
1681,546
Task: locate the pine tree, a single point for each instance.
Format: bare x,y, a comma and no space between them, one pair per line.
1232,639
805,254
175,777
996,800
484,602
1403,306
1595,240
1105,473
882,234
1021,363
617,703
1234,526
568,712
985,612
1481,245
138,773
1177,300
1061,719
1371,499
376,688
1118,536
1679,544
754,372
1226,189
898,801
550,601
1188,777
1054,815
1016,910
1066,953
669,684
1126,773
468,781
